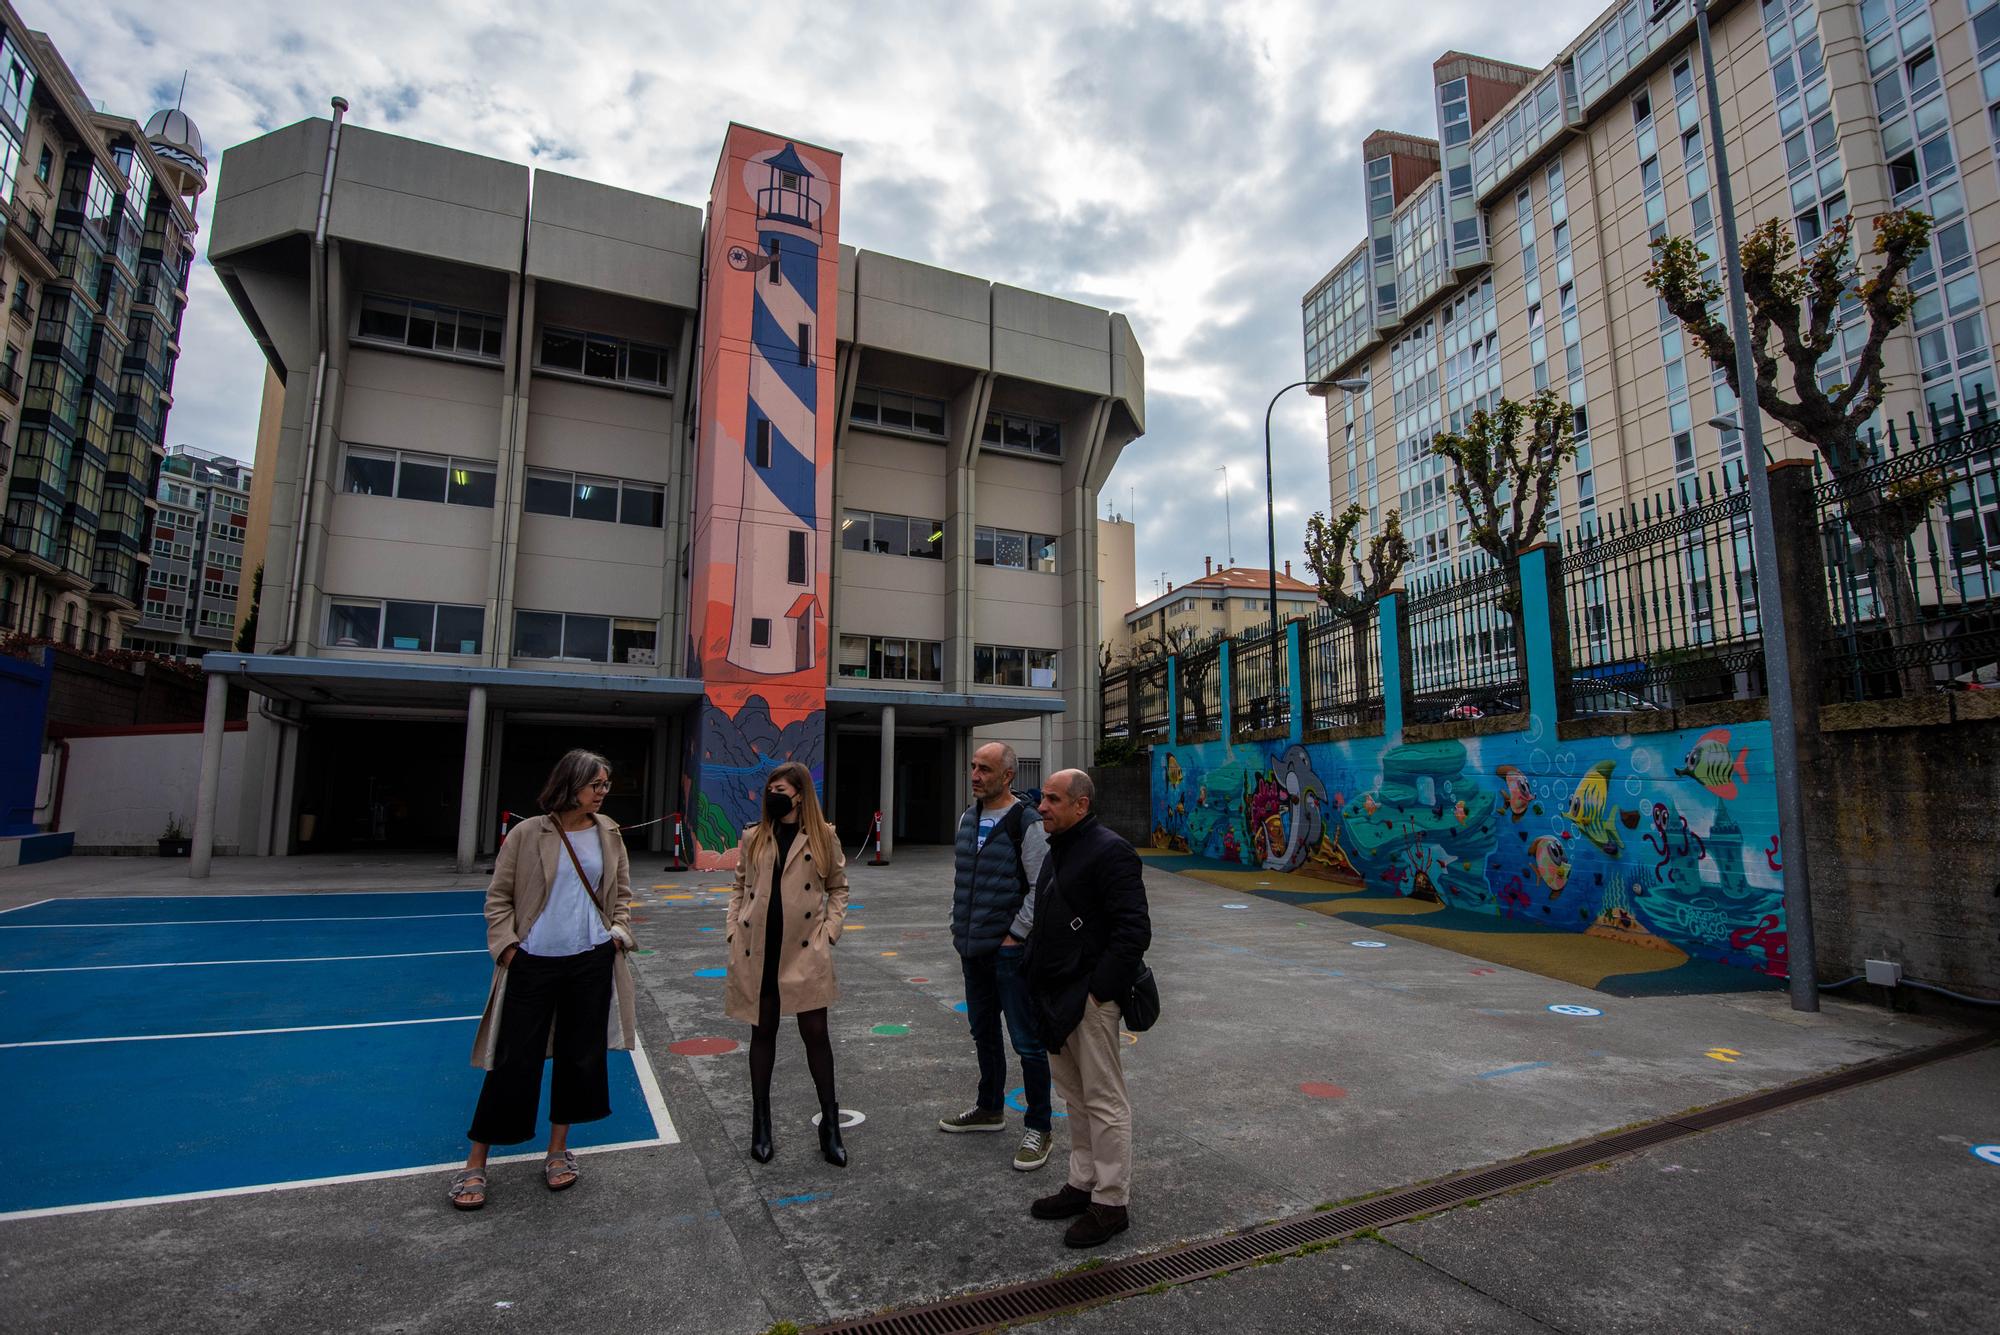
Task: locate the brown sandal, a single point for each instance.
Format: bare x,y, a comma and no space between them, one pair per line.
468,1182
557,1165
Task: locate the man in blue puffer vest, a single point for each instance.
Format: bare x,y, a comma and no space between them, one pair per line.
999,854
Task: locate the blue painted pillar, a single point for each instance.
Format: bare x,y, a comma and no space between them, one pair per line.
1225,666
1389,631
1539,634
1294,663
1173,700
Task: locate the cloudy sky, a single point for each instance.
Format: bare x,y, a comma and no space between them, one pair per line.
1193,165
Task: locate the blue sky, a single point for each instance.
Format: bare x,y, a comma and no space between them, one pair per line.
1192,165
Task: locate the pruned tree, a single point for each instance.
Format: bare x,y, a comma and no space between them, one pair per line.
1330,549
1504,470
1796,306
1184,643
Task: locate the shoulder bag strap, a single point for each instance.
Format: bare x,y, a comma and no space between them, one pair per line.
575,861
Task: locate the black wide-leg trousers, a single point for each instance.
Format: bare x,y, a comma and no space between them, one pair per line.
572,993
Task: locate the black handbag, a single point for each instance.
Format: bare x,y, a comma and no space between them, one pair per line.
1142,1005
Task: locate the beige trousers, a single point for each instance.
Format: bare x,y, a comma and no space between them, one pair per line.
1090,1075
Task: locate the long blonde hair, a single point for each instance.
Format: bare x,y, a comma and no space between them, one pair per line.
818,834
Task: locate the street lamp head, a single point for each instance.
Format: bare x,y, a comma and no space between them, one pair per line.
1725,422
1351,385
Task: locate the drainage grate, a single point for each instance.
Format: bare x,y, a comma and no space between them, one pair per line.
1199,1260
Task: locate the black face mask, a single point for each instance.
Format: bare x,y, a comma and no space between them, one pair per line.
776,805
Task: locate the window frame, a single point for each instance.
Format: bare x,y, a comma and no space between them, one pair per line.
450,464
570,481
492,328
380,607
619,348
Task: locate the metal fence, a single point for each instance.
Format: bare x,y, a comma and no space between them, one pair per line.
1662,603
1199,695
1115,688
1340,658
1259,683
1463,654
1912,550
1149,695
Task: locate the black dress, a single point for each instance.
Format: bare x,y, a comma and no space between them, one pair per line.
774,920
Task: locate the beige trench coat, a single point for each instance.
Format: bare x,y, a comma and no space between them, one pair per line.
516,896
814,905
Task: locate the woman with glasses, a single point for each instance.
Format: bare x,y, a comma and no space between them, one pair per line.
784,916
556,915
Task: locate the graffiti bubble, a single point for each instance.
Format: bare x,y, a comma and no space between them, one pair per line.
1538,761
1566,762
1631,786
1369,945
1622,742
1990,1153
1536,728
1564,1008
1643,761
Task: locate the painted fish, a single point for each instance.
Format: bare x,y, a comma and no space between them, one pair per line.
1551,863
1458,811
1709,765
1174,773
1368,805
1517,795
1590,808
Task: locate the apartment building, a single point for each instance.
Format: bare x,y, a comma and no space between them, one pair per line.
199,529
1505,251
551,463
1117,582
98,229
1229,601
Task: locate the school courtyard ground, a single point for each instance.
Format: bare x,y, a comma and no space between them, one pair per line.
237,1111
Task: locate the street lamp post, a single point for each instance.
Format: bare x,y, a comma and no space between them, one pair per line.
1351,386
1800,955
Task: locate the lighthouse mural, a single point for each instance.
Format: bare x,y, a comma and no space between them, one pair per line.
763,479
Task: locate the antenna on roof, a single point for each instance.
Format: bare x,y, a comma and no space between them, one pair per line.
180,96
1227,527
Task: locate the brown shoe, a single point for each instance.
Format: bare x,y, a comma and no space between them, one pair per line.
1097,1224
1065,1204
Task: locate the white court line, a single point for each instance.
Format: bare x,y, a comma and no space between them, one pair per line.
662,1123
268,894
232,1033
203,964
18,907
204,922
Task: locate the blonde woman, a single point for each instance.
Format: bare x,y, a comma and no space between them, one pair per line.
556,925
784,916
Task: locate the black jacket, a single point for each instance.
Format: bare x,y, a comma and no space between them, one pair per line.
1091,927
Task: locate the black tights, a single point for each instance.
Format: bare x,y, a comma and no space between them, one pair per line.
764,1051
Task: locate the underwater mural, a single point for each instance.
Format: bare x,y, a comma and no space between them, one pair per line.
1662,840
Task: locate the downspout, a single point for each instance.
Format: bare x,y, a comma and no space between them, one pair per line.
319,303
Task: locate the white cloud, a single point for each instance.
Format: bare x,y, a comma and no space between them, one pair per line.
1192,164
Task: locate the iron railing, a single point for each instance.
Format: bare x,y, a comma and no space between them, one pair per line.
1463,654
1662,603
1114,702
1260,694
1911,543
1198,694
1150,699
1340,660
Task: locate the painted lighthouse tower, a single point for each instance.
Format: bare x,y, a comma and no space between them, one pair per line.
763,479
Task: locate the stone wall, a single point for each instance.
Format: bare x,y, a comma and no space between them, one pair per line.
1124,800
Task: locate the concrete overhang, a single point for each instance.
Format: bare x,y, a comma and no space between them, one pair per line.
861,704
369,684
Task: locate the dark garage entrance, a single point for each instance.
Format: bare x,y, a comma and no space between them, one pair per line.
380,784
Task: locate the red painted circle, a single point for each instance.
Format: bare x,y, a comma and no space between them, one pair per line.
919,980
1319,1089
702,1047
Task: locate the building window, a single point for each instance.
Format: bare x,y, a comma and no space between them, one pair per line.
425,628
373,471
891,658
760,632
795,557
1014,551
762,455
576,637
1023,435
45,166
602,357
1011,665
635,642
905,414
892,535
429,328
805,345
608,500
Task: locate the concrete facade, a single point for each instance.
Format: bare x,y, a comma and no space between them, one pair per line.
195,583
1221,602
527,474
1517,264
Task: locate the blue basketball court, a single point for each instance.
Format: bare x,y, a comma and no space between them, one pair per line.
177,1048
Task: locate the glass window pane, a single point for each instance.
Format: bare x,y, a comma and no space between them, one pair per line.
547,494
423,328
635,643
896,411
444,330
596,498
587,637
982,664
1010,666
892,535
600,359
990,433
928,417
1017,433
408,626
537,634
471,333
471,484
643,505
854,530
382,318
1010,550
1048,439
927,538
854,656
370,473
894,659
354,626
930,655
460,630
421,479
643,364
1042,549
864,409
982,546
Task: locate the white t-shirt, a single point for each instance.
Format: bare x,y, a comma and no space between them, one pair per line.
569,923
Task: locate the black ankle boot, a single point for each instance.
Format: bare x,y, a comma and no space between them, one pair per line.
760,1130
829,1135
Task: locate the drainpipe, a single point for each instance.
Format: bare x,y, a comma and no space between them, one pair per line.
320,336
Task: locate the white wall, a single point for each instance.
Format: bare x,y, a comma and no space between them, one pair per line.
118,791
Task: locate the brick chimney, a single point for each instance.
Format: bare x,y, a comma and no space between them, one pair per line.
1207,566
1288,570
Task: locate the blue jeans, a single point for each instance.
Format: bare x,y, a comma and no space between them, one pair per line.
993,988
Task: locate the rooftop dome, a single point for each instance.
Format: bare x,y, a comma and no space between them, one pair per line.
177,142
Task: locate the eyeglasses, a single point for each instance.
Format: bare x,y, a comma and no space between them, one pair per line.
601,786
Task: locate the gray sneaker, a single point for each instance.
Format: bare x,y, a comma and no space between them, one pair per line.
1034,1151
975,1119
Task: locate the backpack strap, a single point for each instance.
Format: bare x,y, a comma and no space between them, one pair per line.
1016,824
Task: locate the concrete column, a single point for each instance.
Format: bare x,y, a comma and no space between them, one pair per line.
469,776
211,774
1389,627
284,823
1050,761
888,784
1543,634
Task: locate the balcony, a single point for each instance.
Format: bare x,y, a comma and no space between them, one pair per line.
10,382
29,239
22,311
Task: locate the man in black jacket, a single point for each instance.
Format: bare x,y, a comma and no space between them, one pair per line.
1085,951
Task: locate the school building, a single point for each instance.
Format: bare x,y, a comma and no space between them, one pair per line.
560,464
